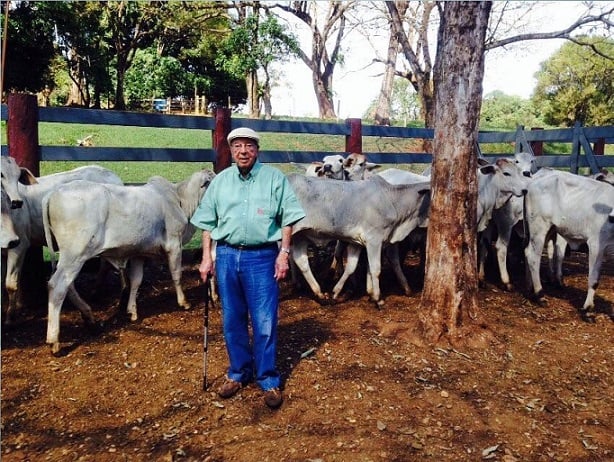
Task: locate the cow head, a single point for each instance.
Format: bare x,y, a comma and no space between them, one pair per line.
11,175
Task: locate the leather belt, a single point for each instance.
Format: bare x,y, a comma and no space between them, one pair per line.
248,247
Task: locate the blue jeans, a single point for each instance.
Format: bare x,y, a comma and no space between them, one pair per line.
249,292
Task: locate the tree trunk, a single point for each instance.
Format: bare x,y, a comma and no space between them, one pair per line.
253,96
449,305
384,100
324,92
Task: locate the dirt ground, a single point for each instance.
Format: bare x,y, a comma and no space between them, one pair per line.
135,391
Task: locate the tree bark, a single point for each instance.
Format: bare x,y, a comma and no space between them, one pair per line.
449,304
253,96
384,99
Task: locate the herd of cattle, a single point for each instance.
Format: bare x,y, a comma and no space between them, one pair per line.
88,212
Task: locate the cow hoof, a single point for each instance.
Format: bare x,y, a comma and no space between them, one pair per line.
133,317
379,304
327,301
588,316
56,350
95,327
508,287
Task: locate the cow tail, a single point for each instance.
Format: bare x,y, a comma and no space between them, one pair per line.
525,223
48,234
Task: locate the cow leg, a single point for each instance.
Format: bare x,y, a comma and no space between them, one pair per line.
484,240
135,275
300,256
82,305
353,255
556,254
595,258
533,253
14,263
338,257
374,257
174,264
59,284
501,246
392,252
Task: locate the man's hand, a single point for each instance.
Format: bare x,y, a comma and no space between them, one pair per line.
206,268
282,266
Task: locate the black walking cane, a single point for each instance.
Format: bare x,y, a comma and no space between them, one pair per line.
206,339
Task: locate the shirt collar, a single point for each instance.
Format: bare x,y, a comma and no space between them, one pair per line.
252,173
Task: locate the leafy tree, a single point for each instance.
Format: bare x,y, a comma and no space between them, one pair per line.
505,112
153,76
30,48
80,39
326,22
130,26
412,29
254,44
575,84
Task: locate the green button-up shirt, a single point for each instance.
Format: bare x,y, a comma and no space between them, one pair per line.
248,211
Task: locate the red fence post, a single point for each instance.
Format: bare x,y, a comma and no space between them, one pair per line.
353,141
537,146
22,140
220,144
22,131
599,147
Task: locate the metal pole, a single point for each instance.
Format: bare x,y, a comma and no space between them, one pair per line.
206,331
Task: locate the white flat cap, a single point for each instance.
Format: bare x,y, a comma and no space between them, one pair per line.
243,132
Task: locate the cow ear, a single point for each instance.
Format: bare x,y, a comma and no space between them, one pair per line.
27,177
488,169
423,191
600,177
372,166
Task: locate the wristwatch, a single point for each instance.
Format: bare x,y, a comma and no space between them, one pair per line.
285,249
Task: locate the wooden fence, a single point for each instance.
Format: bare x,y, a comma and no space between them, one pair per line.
23,115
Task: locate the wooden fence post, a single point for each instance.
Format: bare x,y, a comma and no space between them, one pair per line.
220,144
353,141
537,146
22,131
599,147
22,138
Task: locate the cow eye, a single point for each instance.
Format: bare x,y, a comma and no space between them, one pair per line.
507,174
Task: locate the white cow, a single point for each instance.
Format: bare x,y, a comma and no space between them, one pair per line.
8,235
12,175
118,223
370,214
28,221
357,167
605,175
579,209
505,220
398,176
330,167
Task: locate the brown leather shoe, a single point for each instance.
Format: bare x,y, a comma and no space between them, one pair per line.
229,388
273,398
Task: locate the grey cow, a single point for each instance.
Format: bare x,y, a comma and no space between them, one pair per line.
27,220
118,223
579,209
370,214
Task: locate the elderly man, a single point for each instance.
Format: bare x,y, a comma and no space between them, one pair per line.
249,210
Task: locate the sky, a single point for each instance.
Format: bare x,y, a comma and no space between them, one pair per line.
356,84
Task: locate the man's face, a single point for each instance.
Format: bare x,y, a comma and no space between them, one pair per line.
244,152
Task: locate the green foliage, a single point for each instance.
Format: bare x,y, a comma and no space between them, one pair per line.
153,76
505,112
30,47
254,44
576,84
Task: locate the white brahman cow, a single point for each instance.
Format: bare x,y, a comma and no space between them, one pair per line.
28,222
118,223
369,214
579,209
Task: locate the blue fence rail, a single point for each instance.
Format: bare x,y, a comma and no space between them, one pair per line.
580,138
